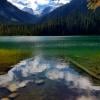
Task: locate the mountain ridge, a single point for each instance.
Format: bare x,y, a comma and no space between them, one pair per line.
11,14
73,6
38,6
71,19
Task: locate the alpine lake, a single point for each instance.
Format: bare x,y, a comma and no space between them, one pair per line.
83,53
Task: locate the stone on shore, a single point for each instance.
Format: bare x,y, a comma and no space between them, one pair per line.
13,87
13,95
5,98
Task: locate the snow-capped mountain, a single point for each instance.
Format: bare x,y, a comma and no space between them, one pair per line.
38,7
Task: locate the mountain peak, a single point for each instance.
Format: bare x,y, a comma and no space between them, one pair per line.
38,6
11,14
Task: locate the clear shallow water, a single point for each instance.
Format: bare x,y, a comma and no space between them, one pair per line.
46,72
53,69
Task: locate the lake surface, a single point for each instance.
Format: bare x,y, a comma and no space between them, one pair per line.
38,63
44,44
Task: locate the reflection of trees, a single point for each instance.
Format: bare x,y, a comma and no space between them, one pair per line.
93,4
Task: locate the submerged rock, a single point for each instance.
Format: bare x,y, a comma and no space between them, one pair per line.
5,98
87,98
40,82
4,92
12,87
13,95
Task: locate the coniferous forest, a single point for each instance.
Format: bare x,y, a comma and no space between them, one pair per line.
74,24
76,18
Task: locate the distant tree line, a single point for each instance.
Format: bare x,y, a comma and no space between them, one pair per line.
73,24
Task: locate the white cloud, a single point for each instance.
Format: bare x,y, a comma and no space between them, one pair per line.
17,4
65,1
35,4
29,3
61,1
41,2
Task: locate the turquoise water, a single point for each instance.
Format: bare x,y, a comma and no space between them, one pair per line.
53,46
57,89
69,43
15,41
